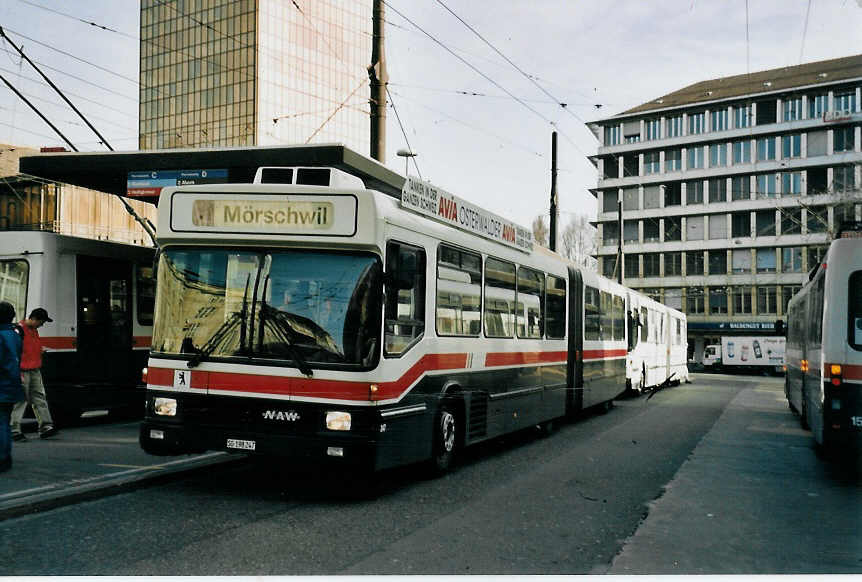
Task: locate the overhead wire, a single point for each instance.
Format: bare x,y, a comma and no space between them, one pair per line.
404,133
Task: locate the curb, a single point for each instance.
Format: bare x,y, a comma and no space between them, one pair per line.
64,493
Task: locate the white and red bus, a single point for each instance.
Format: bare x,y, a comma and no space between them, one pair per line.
823,383
319,319
100,295
658,348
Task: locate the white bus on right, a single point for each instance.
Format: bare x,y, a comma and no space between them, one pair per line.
824,347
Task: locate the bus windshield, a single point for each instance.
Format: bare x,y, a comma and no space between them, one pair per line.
299,307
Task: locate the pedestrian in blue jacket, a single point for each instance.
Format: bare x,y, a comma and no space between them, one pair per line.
10,380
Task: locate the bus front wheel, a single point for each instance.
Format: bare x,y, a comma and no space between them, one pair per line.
445,439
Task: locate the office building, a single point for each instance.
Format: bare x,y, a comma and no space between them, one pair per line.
254,72
731,191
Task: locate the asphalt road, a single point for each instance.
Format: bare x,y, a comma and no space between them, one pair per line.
566,504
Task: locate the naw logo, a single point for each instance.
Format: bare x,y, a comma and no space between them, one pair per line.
290,416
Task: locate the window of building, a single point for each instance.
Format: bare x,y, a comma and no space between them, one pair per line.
843,178
555,302
717,262
787,293
651,264
817,143
742,299
499,298
740,224
694,192
791,220
791,145
791,260
652,127
843,212
632,266
694,263
817,105
765,148
694,228
673,126
14,278
673,228
717,300
672,264
610,233
529,308
765,223
610,168
592,313
718,120
696,123
817,219
740,188
766,112
694,300
740,261
741,116
673,160
610,200
717,226
765,260
845,101
459,292
672,194
742,152
843,138
652,197
717,155
717,190
791,183
673,299
609,264
767,185
817,182
651,230
652,165
631,164
612,135
695,157
792,108
632,131
405,308
815,256
630,231
630,199
766,300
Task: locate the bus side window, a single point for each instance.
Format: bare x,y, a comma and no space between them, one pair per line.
644,325
592,317
404,311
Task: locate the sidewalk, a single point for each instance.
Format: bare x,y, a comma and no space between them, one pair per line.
84,462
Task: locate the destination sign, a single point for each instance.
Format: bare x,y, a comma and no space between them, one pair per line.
149,183
425,198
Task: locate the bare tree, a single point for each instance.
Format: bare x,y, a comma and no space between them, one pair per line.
579,242
540,231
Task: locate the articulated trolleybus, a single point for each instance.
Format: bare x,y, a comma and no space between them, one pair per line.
338,324
824,347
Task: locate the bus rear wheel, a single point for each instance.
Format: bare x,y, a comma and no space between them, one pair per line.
444,439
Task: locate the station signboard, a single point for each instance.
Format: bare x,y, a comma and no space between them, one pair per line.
149,183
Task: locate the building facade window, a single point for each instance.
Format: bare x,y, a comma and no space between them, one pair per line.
791,146
717,155
695,157
651,230
791,260
817,105
673,160
630,231
765,149
694,228
718,262
717,300
740,188
765,223
815,256
765,113
673,228
740,224
817,219
791,183
717,190
696,123
718,119
792,108
610,199
816,144
766,300
652,164
694,263
610,233
651,264
694,300
843,178
845,101
694,192
742,300
791,220
608,266
672,264
673,298
612,135
673,126
765,260
630,199
672,194
742,152
718,226
632,263
742,116
787,293
767,186
652,127
740,261
843,139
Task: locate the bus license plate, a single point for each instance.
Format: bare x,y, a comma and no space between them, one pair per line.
240,444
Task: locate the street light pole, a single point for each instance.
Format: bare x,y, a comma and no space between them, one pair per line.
406,154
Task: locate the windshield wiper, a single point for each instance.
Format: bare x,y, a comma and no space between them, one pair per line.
284,332
218,336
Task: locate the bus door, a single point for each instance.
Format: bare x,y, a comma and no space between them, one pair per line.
104,342
575,360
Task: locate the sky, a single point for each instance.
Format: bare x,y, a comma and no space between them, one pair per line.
477,85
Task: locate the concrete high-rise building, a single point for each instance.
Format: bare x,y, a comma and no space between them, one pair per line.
731,190
254,72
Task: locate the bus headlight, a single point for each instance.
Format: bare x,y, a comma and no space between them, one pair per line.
165,406
338,420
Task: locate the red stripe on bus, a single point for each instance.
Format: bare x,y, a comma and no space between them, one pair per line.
58,343
516,358
602,354
142,340
848,371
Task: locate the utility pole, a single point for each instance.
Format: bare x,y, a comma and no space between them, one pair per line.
553,233
620,244
379,79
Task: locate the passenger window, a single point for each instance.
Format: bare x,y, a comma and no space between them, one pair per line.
499,298
529,308
405,297
606,332
644,325
459,292
592,325
14,276
619,318
555,301
146,294
854,311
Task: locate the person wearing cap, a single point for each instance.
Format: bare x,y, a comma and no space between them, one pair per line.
31,378
10,379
